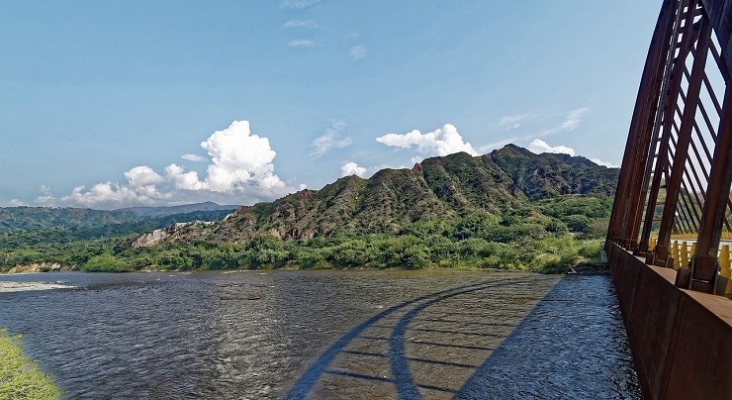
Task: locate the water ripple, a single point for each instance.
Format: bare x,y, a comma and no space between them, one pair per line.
251,335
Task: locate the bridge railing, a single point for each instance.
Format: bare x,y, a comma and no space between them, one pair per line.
677,167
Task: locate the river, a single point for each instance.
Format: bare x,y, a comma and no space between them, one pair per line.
325,334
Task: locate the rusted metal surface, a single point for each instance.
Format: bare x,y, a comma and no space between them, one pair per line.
675,178
720,13
665,324
677,167
627,197
673,185
665,123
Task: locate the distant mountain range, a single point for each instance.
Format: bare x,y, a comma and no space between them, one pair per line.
507,209
503,182
14,219
151,212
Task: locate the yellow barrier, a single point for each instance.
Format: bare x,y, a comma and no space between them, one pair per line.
681,254
724,261
693,236
725,268
684,262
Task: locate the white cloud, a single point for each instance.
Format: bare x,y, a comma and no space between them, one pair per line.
492,146
241,171
358,52
604,163
351,168
512,121
13,203
183,180
301,43
307,24
142,176
45,190
108,195
539,146
239,159
193,157
297,4
570,123
332,139
440,142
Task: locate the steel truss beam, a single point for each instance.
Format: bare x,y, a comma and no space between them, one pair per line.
668,149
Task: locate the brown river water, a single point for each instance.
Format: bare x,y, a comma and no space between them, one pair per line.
325,335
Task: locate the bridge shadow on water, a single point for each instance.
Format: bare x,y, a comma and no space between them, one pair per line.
521,338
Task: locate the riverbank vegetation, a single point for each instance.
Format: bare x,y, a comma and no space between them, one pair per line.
20,377
510,209
538,243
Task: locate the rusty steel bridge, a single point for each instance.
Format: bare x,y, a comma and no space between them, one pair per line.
674,185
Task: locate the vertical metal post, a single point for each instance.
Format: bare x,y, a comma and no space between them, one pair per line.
704,264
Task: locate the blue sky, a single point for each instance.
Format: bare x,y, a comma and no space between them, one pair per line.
119,103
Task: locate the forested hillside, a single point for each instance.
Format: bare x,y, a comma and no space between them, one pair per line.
506,209
15,219
511,182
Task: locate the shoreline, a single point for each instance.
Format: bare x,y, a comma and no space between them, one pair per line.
9,286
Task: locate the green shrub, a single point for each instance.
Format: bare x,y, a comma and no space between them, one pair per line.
20,377
106,262
589,249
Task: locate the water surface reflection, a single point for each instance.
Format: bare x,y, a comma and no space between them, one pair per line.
352,334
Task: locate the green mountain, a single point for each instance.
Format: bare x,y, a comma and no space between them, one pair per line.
157,212
511,181
509,209
22,227
14,219
546,175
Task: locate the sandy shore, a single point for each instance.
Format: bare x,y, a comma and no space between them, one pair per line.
25,286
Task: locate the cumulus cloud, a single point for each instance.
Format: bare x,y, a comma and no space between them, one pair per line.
539,146
492,146
351,168
440,142
238,159
140,189
301,43
193,157
358,52
604,163
298,4
307,24
183,180
241,171
13,203
570,123
512,121
332,139
110,195
142,176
